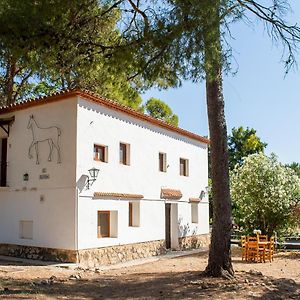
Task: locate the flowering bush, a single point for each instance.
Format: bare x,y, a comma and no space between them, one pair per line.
265,195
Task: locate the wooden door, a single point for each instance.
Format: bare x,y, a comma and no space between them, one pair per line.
168,224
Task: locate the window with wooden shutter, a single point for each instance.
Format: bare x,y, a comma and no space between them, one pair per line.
133,214
130,214
162,158
103,224
184,167
125,154
101,153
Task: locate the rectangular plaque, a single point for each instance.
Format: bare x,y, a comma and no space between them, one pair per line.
44,176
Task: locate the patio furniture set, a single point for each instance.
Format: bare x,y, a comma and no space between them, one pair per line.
257,248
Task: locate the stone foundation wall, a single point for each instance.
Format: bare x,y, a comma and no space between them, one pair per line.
194,241
39,253
122,253
103,256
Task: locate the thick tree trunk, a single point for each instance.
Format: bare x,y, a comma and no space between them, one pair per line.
219,262
219,254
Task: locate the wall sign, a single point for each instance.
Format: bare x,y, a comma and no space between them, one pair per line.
44,134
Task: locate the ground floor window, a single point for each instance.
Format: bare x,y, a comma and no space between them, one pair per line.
107,225
26,230
134,214
103,224
194,209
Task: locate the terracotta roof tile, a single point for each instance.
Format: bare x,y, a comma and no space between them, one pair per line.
195,200
87,95
118,195
170,194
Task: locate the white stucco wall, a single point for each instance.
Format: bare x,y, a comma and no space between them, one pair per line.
64,216
99,125
49,203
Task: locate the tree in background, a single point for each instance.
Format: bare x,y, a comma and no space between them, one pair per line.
160,110
266,195
241,143
294,166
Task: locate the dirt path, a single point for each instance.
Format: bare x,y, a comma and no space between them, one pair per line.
167,278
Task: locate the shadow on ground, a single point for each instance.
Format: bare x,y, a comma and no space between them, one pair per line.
172,285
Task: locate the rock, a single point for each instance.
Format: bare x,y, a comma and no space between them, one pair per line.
53,278
204,286
256,273
42,282
75,277
246,280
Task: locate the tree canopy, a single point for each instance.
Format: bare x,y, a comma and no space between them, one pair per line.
52,45
266,195
294,166
160,110
241,143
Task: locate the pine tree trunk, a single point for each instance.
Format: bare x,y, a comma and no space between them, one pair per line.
219,254
219,261
9,80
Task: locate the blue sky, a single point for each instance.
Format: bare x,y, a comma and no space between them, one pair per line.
258,96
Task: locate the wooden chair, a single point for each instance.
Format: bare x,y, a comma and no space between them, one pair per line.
254,253
269,251
262,238
244,247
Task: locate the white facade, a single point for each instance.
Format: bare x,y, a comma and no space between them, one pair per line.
63,213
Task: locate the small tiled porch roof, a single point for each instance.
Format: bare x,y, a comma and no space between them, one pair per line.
194,200
118,195
170,194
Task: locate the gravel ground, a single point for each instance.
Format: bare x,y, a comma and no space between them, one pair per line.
168,277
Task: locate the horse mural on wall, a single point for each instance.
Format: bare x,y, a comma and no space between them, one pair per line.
39,134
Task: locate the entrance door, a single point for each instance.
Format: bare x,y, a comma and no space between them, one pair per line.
168,224
3,161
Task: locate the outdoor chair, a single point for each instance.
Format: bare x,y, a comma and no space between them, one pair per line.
244,247
254,252
262,238
269,251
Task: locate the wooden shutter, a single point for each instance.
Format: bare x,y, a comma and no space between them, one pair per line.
130,214
127,154
103,229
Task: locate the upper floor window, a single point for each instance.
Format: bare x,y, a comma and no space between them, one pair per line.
162,159
184,167
124,154
100,153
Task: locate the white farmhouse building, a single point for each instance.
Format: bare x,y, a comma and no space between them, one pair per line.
84,179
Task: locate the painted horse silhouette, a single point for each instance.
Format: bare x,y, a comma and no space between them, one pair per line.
50,134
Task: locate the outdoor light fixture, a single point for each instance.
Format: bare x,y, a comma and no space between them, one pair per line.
202,195
208,189
25,177
204,192
92,178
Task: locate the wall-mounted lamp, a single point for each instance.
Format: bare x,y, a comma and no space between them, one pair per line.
25,177
204,192
208,189
202,195
92,178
